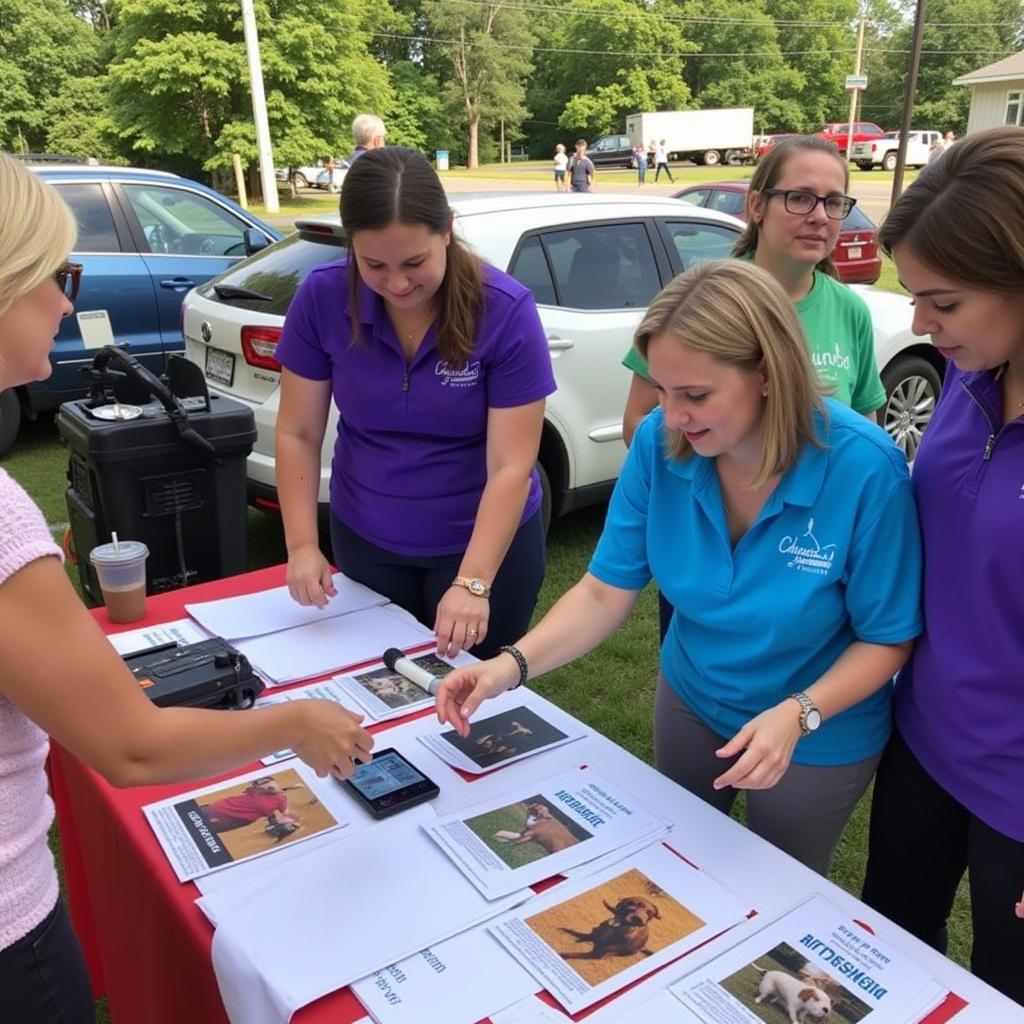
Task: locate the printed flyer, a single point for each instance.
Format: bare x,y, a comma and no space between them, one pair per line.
245,817
813,964
588,938
383,694
529,835
498,740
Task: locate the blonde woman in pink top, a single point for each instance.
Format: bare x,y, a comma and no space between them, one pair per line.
60,676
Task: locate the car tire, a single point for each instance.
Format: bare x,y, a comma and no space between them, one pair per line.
912,387
734,158
300,181
545,498
889,162
712,158
10,419
866,165
334,188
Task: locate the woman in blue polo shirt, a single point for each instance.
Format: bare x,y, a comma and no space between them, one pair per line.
781,528
439,367
949,798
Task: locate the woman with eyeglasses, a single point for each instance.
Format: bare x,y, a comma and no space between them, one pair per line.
60,676
782,528
795,208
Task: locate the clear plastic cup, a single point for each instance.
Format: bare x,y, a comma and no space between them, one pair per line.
121,569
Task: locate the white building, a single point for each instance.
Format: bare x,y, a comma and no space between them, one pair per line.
997,93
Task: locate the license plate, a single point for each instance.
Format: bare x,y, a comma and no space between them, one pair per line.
854,253
220,366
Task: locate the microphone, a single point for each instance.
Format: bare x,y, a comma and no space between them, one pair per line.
408,669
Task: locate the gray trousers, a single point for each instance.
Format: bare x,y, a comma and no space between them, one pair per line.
804,813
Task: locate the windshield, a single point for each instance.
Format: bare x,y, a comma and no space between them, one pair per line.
275,272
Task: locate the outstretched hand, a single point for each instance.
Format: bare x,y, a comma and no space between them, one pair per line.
309,577
461,692
765,745
332,739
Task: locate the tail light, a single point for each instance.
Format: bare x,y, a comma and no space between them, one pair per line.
259,344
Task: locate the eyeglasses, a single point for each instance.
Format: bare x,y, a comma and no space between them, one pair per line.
68,277
802,203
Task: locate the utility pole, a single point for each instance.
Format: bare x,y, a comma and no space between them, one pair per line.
908,101
854,92
259,108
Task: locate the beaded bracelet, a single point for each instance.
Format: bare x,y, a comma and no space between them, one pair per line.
524,669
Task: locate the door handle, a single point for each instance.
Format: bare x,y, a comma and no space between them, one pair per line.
179,284
556,344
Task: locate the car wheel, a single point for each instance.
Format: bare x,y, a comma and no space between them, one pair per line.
912,387
334,188
300,180
712,158
734,158
865,165
10,419
545,498
889,161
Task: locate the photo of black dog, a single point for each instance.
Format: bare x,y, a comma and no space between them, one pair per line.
624,933
492,741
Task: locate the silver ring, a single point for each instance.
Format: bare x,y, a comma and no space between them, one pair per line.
471,632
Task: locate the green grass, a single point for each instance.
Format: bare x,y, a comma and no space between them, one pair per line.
611,689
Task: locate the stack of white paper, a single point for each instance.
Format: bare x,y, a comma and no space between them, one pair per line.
270,611
326,645
586,939
542,830
502,738
281,943
180,632
815,964
382,694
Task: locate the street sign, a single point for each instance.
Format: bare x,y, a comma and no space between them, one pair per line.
856,83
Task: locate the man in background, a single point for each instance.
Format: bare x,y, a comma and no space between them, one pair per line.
368,132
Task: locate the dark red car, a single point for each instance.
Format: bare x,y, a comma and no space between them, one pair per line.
856,254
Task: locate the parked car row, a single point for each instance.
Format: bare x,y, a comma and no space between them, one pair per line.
592,265
144,239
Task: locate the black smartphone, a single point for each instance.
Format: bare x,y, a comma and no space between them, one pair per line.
389,784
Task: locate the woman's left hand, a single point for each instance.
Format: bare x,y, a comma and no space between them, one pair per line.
766,745
461,621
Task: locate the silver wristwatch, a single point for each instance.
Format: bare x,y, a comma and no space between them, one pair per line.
810,716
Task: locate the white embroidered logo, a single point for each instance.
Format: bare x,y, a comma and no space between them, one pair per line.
807,554
467,377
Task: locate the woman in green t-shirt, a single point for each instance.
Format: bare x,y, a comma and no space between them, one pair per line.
795,207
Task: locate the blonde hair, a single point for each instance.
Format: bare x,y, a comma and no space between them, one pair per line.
37,231
739,314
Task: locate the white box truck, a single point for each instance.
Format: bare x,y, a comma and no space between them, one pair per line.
707,137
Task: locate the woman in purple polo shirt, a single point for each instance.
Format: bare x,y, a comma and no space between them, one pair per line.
439,367
950,790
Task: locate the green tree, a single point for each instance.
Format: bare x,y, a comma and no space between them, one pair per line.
42,46
180,80
78,121
486,49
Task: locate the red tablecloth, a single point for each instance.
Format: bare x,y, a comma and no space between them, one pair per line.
147,945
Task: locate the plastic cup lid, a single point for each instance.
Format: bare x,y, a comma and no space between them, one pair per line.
127,551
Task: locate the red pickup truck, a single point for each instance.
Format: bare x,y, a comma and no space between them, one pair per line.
839,133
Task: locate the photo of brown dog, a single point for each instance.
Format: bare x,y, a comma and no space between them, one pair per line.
613,926
527,831
492,741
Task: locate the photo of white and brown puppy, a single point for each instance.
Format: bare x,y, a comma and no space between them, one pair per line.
783,987
613,926
544,829
802,1002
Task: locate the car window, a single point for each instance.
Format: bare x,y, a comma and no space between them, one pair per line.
530,268
607,267
699,196
273,275
696,242
728,202
92,212
176,220
855,220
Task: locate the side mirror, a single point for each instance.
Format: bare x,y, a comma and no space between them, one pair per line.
255,240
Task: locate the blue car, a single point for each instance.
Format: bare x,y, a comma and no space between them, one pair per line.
144,239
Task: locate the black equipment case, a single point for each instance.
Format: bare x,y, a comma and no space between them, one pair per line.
173,476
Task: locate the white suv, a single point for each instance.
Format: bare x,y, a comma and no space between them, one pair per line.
593,262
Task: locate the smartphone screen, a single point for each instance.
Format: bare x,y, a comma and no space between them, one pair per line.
389,783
